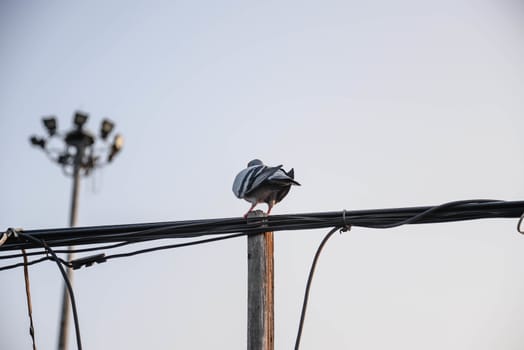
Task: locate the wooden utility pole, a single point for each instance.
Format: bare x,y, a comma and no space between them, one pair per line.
260,279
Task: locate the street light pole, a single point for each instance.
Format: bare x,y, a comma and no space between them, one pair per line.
73,215
78,156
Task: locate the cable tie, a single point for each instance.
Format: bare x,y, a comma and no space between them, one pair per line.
520,229
14,231
88,261
347,226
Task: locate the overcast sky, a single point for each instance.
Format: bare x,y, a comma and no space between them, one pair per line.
377,104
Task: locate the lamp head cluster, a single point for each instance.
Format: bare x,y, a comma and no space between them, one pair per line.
79,150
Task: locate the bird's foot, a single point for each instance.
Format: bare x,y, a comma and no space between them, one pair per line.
254,214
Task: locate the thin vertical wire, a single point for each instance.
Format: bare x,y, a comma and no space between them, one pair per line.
29,305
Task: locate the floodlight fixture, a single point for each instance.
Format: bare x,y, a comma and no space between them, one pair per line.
50,125
116,147
80,119
106,128
37,141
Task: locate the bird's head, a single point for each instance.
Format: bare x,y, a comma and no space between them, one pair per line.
255,162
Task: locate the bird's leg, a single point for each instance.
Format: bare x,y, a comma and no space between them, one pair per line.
250,209
269,207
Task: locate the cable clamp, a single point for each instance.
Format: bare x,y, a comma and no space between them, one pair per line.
520,229
347,226
88,261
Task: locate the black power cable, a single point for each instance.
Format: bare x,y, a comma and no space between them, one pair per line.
36,261
308,286
417,218
171,246
373,218
119,255
63,251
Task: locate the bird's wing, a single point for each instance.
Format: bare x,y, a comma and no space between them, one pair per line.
241,180
262,176
284,178
250,178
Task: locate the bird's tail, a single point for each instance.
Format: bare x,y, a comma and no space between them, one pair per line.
291,174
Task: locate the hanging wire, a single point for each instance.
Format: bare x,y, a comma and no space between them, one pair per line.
36,261
417,218
308,286
171,246
64,251
66,280
28,296
520,229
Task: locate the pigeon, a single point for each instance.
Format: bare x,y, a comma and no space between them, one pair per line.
259,183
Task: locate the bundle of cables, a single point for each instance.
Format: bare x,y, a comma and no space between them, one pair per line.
102,238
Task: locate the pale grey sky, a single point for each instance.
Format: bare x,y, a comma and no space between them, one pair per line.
382,104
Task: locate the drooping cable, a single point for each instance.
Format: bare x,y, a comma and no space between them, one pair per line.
32,262
122,255
63,251
43,244
308,286
410,220
171,246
